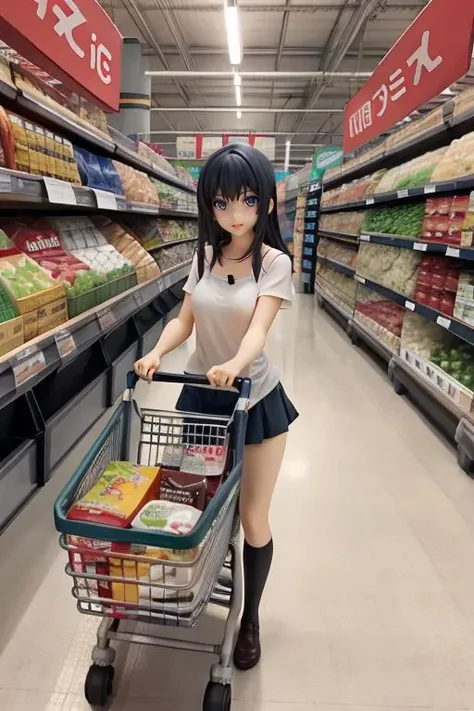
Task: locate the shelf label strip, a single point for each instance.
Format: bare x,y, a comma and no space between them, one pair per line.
60,192
28,364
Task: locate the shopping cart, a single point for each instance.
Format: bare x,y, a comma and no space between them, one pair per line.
114,578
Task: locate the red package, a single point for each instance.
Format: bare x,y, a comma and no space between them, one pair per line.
183,488
422,295
424,278
438,280
460,205
41,242
434,301
452,280
446,303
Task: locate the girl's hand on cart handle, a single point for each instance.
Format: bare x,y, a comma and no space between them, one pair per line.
147,366
223,376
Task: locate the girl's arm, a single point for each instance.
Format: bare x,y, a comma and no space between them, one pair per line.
177,331
252,345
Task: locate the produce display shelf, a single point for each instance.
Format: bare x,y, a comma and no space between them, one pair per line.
172,244
31,107
31,191
408,195
452,421
343,315
436,137
337,266
462,330
430,247
85,329
366,335
345,237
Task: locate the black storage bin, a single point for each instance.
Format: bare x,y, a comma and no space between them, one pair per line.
149,323
71,401
19,447
121,350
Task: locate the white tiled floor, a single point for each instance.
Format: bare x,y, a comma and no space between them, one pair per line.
370,604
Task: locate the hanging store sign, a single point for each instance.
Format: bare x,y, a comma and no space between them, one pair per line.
434,52
74,40
325,158
186,147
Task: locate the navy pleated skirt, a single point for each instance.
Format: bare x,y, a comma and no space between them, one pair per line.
270,417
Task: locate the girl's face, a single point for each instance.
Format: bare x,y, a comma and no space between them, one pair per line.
238,216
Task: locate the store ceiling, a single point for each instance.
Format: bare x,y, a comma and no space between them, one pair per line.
278,35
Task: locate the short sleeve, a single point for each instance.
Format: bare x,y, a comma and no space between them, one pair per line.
193,277
276,279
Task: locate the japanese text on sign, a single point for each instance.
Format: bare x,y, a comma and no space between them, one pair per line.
420,65
74,40
362,118
98,55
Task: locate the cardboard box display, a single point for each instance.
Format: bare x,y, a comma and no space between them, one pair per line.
11,335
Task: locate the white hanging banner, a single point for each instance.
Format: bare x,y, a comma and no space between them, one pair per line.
210,144
186,147
266,144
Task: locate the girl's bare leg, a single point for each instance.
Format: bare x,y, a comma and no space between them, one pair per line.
262,464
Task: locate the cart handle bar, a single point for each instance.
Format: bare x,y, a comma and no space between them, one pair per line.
242,385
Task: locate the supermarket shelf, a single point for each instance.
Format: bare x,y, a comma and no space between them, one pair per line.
371,340
345,237
172,244
85,329
429,399
341,314
30,192
409,195
337,266
441,135
31,107
429,247
462,330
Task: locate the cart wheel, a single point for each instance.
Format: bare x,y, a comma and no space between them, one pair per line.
398,386
465,462
98,686
217,697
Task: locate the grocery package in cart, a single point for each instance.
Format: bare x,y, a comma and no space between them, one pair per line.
153,535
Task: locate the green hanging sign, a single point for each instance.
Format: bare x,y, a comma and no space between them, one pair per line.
324,158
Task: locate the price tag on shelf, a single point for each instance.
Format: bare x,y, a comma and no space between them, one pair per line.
402,193
28,364
410,305
444,322
360,279
60,192
364,238
106,319
452,252
139,299
430,189
65,343
105,200
370,201
420,247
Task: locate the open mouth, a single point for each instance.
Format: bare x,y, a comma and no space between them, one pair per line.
236,227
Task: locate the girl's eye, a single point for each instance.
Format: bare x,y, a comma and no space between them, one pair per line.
220,204
251,201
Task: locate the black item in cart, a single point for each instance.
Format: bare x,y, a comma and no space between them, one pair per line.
114,578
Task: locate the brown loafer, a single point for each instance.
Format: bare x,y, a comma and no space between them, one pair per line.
247,651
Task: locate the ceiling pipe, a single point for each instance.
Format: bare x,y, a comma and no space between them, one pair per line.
238,132
176,74
244,110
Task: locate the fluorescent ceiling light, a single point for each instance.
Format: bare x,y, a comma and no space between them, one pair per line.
238,96
231,14
239,114
237,79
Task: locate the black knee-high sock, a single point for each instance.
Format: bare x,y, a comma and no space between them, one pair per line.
257,562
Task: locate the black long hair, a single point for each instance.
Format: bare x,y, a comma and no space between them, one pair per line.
230,172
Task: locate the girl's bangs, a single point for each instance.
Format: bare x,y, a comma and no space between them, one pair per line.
231,178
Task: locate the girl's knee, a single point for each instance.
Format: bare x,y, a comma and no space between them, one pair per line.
256,528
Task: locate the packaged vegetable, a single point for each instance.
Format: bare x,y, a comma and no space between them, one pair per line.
120,492
167,516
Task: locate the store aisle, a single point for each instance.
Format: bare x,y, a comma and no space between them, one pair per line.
370,604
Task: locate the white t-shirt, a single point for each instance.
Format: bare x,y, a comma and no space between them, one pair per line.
223,313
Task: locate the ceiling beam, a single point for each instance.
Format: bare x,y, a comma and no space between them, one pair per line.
196,6
142,26
242,109
358,19
167,50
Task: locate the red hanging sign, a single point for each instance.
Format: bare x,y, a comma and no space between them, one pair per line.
434,52
74,40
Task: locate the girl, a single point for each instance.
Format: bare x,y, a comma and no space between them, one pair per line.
240,278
